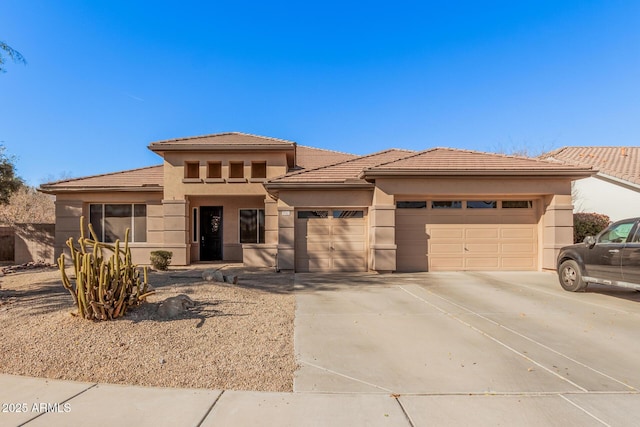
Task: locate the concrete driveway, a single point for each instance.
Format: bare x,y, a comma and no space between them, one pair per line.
480,341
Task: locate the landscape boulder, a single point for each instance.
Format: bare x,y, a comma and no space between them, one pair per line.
218,276
175,306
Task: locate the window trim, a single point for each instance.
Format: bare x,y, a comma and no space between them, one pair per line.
495,204
258,178
237,164
190,164
132,228
219,166
257,210
411,204
453,204
528,201
195,225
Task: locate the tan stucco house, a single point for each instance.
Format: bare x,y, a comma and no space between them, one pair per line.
271,202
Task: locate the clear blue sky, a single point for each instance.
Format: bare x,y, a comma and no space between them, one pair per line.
106,78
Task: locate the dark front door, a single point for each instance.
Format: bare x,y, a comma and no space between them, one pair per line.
210,233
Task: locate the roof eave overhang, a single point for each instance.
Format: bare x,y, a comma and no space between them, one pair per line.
619,181
403,173
317,185
56,190
162,147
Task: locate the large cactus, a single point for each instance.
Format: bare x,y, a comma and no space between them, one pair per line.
104,287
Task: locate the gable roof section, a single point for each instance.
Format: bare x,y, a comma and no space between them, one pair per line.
339,173
449,161
223,141
311,158
619,162
142,179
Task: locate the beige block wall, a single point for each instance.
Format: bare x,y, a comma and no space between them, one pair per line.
34,242
7,241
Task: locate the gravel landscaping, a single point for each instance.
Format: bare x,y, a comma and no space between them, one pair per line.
237,337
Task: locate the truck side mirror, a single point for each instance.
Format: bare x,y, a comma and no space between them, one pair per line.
590,241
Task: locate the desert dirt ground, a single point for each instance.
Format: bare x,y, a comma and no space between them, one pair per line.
238,337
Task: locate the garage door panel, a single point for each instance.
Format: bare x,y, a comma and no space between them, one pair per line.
318,247
481,247
517,233
447,248
348,264
468,239
345,247
347,230
446,233
482,263
481,233
524,247
318,230
439,263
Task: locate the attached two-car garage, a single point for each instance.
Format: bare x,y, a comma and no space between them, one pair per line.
431,235
441,235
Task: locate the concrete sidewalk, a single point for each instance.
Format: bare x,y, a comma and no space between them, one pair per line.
41,402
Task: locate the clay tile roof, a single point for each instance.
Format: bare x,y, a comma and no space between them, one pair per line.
310,158
148,178
619,162
343,171
454,161
222,140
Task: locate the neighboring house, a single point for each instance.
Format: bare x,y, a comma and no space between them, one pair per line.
615,189
271,202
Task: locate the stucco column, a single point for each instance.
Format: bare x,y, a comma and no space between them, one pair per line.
557,223
286,237
176,227
382,233
270,221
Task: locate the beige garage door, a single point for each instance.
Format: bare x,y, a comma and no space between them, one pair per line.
330,240
466,235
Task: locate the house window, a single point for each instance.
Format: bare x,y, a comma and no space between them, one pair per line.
411,205
110,221
348,214
192,170
258,170
195,225
312,214
236,169
446,204
251,225
480,204
214,170
517,204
